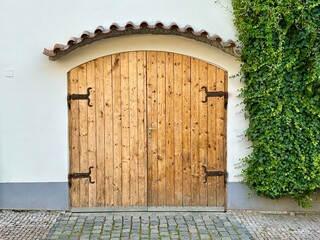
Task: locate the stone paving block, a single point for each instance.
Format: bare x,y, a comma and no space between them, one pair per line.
85,236
64,238
184,235
226,238
175,237
215,236
222,229
125,235
73,238
205,236
224,234
134,237
232,232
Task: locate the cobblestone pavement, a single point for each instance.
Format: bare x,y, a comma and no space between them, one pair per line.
280,226
25,225
148,226
230,225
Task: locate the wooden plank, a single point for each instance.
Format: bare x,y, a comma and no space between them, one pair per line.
170,167
100,181
221,136
142,126
125,151
117,129
133,96
203,132
152,127
83,136
73,84
186,117
195,168
212,136
161,71
92,149
108,130
177,118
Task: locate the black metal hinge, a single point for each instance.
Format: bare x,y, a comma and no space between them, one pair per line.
214,173
81,175
80,97
216,94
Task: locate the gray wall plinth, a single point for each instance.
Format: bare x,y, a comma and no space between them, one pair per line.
242,198
55,196
34,196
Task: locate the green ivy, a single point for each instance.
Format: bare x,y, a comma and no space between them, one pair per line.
281,73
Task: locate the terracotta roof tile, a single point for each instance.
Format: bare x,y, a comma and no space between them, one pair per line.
60,50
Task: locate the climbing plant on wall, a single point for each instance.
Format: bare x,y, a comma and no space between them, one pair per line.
281,73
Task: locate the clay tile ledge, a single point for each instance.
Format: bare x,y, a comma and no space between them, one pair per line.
87,37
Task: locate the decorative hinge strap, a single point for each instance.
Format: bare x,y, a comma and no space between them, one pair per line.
216,94
81,175
214,173
80,97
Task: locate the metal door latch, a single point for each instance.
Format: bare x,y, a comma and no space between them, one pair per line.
150,128
216,94
80,97
81,175
213,173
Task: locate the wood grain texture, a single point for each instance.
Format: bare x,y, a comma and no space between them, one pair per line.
170,167
134,139
142,126
186,126
161,128
125,133
195,163
221,136
92,146
177,118
117,130
108,130
203,132
83,136
73,87
212,137
152,127
98,65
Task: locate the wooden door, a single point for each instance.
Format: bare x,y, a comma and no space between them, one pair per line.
148,132
184,132
110,136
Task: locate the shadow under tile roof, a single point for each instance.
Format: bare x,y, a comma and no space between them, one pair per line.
60,50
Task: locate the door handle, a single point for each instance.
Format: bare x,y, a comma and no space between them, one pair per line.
150,128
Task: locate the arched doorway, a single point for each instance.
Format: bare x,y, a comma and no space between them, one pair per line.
147,132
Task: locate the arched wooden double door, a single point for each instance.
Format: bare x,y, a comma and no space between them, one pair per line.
147,130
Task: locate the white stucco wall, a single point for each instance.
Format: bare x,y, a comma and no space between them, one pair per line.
33,108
